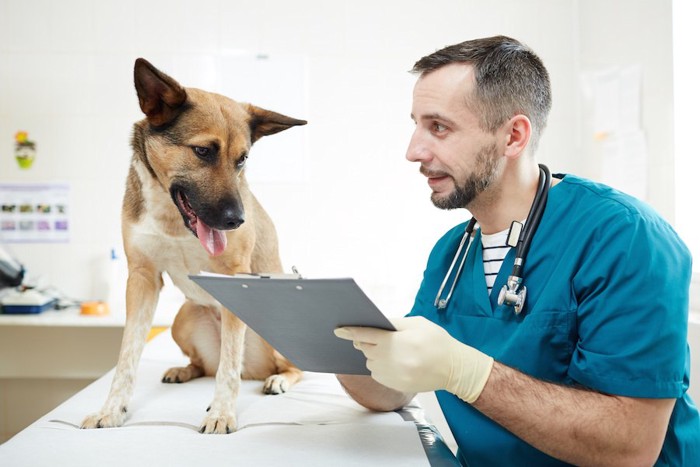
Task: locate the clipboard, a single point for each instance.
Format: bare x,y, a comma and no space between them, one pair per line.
297,316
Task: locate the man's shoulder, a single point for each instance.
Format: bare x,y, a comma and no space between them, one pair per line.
606,211
601,201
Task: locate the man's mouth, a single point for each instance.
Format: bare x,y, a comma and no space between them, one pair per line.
213,240
435,180
434,177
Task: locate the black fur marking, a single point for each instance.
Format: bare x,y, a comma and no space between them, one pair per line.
138,144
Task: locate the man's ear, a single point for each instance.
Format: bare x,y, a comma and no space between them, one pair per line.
161,98
266,122
518,132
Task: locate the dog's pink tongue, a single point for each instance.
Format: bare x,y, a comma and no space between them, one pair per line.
214,241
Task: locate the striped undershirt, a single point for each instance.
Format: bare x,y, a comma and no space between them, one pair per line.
494,250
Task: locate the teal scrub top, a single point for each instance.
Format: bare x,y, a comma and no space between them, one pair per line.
607,308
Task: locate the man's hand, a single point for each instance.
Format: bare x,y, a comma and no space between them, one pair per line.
421,356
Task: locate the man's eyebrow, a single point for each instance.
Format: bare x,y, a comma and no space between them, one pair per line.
435,116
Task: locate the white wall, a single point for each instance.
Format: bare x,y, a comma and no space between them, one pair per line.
65,74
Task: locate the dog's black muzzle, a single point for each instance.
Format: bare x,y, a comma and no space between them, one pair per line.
222,214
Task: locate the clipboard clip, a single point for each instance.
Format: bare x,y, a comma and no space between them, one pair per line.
272,275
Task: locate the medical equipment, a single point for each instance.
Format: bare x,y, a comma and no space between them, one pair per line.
512,294
22,302
520,236
11,271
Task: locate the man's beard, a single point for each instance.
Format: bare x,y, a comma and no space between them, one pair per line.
481,178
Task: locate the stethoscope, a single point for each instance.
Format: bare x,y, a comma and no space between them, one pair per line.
520,236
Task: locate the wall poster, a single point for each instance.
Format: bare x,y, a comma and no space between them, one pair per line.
34,212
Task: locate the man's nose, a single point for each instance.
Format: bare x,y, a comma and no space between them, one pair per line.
417,150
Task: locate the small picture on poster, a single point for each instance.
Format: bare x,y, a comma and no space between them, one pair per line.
34,212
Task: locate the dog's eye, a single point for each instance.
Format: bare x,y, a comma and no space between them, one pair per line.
202,151
241,161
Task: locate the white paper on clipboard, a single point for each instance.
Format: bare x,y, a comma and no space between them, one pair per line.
297,316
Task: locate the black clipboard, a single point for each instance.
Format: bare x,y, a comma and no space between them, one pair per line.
297,316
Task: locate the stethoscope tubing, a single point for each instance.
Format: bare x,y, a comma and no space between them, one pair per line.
466,238
521,250
533,220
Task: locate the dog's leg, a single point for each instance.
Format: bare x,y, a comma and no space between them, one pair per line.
197,330
142,290
222,412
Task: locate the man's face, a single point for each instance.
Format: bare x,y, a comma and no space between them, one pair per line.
459,159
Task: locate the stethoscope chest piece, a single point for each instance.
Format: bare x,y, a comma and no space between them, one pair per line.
513,294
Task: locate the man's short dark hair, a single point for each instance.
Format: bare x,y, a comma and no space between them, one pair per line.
510,80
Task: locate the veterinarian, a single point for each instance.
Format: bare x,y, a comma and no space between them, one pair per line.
592,366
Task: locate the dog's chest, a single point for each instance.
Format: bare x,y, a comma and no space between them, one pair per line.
161,236
178,256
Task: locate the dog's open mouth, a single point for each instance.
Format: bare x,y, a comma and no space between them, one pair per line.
213,240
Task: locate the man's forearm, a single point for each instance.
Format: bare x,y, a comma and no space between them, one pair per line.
369,393
575,425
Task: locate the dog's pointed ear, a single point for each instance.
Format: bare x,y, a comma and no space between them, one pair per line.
266,122
161,98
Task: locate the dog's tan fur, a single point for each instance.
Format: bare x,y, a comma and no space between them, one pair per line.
158,238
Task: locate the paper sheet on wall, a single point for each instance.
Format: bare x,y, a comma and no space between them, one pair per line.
615,94
625,163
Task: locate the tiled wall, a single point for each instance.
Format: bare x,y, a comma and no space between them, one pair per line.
360,210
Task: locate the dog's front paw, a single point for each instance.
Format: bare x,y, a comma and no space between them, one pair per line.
105,419
275,384
218,422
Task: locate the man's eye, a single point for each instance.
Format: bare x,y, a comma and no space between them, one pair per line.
202,151
439,127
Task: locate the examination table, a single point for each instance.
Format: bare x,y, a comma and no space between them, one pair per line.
315,423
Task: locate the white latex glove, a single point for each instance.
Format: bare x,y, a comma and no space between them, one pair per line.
421,356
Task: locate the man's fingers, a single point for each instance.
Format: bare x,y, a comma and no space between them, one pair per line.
361,334
343,333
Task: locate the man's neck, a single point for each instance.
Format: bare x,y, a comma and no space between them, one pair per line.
510,199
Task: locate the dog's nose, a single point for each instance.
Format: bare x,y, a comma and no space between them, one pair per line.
232,219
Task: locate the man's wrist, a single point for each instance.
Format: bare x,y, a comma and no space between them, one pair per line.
470,370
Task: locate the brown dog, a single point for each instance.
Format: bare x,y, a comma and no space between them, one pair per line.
187,208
